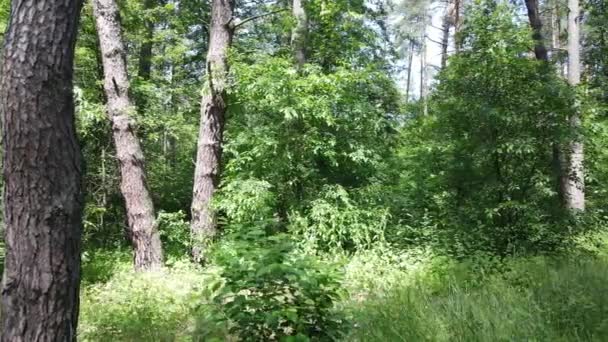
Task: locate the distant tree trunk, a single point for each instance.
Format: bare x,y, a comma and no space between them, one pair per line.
410,63
445,38
140,209
423,75
540,51
537,34
42,173
300,31
575,186
145,52
457,15
213,110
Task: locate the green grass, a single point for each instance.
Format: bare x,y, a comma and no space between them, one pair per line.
537,300
392,298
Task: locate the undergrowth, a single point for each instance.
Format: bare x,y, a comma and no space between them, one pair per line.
265,294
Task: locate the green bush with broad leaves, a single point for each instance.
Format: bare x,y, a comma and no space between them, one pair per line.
273,294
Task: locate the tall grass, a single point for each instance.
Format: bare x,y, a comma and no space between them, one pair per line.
536,300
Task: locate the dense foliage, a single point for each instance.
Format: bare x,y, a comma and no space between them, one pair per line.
347,211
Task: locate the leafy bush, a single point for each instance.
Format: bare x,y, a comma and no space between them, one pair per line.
335,221
175,233
270,293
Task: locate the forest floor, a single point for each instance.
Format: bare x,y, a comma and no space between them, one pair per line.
412,296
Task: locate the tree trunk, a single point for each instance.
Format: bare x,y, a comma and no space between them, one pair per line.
300,31
540,51
145,52
213,110
140,209
445,38
575,186
410,63
457,15
537,34
42,173
423,74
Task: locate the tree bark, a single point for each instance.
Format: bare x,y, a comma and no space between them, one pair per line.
213,111
140,209
300,31
575,186
42,173
536,24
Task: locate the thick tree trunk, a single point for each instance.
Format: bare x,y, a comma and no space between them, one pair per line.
300,31
575,186
42,173
213,110
140,209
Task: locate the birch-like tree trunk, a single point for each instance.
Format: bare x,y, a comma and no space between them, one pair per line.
143,230
575,185
211,132
300,32
42,173
410,62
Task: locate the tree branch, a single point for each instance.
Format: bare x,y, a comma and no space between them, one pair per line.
245,21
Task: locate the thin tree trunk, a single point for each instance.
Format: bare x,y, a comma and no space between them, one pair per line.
213,111
145,52
300,32
445,38
42,173
540,51
423,75
536,24
457,15
575,187
140,209
409,71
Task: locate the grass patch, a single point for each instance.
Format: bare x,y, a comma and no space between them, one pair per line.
537,299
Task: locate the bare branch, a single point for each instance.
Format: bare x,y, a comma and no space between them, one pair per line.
234,26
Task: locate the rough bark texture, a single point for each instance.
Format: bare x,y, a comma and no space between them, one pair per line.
300,31
213,110
42,173
140,209
575,186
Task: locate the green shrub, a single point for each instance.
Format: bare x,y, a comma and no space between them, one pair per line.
272,293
